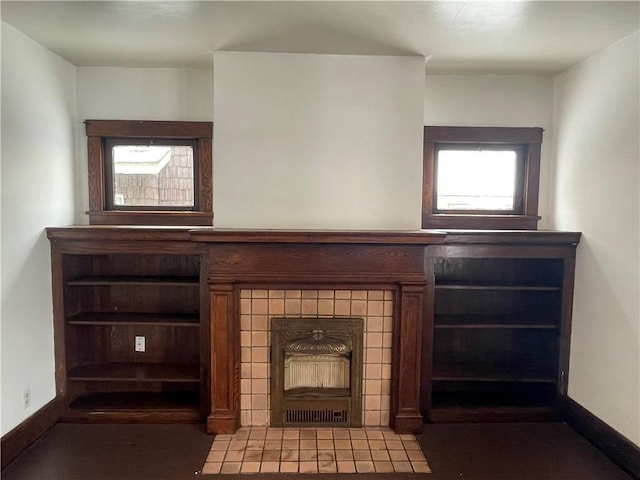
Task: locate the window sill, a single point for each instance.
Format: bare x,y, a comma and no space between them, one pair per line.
150,218
481,222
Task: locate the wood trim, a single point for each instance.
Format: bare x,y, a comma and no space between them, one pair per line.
428,176
205,339
313,263
528,139
428,322
148,128
307,259
485,222
407,355
613,444
100,212
24,435
568,281
225,360
95,158
59,324
97,235
531,181
205,176
139,217
536,237
483,134
220,235
390,237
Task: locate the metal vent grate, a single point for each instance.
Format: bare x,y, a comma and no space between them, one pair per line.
328,416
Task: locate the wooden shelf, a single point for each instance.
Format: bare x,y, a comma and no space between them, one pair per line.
471,401
126,401
110,286
129,319
514,320
154,281
491,372
135,372
499,325
506,414
495,286
496,326
134,407
530,395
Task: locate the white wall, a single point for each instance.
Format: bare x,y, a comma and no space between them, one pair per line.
317,141
597,192
496,101
111,93
38,118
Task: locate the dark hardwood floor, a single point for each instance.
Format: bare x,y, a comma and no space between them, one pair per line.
533,451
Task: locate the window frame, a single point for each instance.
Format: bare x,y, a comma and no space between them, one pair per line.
101,209
527,140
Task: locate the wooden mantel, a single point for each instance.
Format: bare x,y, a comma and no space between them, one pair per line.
315,259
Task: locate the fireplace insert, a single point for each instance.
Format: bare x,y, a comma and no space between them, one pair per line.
316,371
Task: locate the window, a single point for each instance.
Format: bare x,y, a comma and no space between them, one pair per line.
481,177
477,179
149,172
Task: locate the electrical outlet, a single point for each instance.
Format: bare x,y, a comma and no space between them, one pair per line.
26,398
140,344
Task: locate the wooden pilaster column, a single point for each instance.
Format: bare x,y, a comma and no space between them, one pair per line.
407,355
225,360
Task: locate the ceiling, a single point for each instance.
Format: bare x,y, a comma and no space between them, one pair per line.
543,37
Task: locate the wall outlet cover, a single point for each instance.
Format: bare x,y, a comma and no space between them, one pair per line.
140,344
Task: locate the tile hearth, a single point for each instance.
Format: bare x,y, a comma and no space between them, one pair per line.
315,450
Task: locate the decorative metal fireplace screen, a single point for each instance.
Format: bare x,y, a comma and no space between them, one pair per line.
316,371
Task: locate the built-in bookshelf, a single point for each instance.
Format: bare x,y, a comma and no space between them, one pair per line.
498,326
129,330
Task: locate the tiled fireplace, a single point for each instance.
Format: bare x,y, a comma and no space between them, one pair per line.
254,276
259,307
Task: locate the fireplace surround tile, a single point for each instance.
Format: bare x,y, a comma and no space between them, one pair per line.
259,306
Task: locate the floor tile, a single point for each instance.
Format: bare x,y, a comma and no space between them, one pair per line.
250,467
346,467
383,467
289,467
365,467
270,467
308,467
212,467
311,450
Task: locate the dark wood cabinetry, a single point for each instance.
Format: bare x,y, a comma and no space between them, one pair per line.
499,325
493,310
112,286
